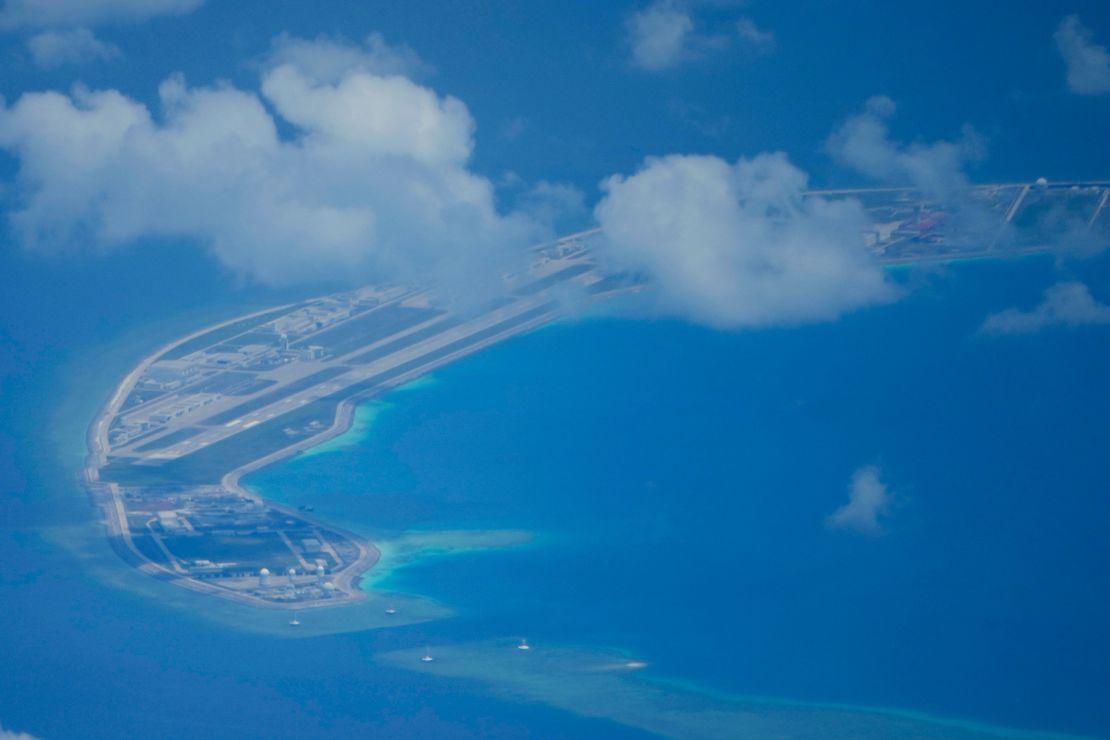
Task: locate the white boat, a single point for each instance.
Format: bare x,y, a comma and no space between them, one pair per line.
523,645
427,656
294,621
390,609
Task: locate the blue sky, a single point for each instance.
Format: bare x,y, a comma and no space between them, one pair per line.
533,109
563,69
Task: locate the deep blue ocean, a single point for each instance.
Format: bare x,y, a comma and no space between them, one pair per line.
675,482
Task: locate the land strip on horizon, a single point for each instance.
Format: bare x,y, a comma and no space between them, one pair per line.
167,450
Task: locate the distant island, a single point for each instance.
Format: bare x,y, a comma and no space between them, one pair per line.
169,447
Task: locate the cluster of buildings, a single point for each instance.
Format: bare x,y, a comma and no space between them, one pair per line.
294,586
168,375
319,315
212,535
227,358
171,375
566,248
159,417
273,345
181,406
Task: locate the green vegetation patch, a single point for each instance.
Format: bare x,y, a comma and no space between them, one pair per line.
262,550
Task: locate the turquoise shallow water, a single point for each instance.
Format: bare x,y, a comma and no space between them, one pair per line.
644,491
676,482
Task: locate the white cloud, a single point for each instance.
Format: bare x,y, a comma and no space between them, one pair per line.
1088,63
327,60
73,46
12,735
936,169
698,118
863,143
868,502
665,34
660,36
68,13
738,244
372,115
1064,304
559,206
753,34
513,128
373,183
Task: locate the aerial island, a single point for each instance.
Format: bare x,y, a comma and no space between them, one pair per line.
168,448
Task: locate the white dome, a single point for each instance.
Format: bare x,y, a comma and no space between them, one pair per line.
264,572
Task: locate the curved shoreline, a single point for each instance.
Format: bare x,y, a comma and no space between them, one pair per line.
369,555
351,373
345,579
106,497
115,519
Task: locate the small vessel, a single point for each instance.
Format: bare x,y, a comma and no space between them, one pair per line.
523,645
294,621
427,656
390,609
